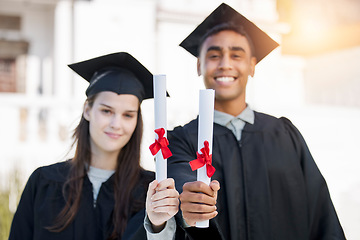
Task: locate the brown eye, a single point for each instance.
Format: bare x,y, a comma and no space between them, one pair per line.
238,55
106,111
213,55
129,115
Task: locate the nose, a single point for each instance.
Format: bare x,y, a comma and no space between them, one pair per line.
225,62
115,122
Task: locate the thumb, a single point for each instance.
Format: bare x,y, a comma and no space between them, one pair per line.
215,185
151,188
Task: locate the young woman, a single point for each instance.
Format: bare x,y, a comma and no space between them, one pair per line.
100,193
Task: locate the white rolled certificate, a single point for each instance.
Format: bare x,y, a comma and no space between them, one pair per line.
205,133
160,122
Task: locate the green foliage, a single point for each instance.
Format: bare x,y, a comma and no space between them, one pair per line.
5,215
9,198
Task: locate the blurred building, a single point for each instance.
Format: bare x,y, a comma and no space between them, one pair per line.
313,78
41,96
327,35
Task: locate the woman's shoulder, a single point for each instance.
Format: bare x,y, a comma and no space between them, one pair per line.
45,178
57,172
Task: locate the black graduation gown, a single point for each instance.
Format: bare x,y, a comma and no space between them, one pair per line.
42,200
270,185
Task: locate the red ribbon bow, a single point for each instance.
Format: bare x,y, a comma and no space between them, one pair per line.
202,159
160,143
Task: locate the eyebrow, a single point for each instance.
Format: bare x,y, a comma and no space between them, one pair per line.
103,104
237,49
217,48
214,48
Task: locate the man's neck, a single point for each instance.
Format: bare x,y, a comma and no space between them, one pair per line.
233,108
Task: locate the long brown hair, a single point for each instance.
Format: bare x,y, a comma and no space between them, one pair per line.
126,174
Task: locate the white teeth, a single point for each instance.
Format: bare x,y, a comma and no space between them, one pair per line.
225,79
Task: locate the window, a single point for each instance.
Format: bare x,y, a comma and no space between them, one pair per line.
7,75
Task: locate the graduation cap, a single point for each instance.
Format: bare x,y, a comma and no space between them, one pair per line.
117,72
224,14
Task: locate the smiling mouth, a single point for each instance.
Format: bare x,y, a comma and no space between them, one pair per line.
225,79
113,135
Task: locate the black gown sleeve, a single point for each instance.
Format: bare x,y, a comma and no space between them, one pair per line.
135,227
183,144
22,226
324,222
42,200
183,148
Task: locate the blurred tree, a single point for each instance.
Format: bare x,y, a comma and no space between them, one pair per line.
9,198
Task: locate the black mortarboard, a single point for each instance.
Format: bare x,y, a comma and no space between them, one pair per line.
263,44
117,72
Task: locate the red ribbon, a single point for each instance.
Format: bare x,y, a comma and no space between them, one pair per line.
203,159
160,143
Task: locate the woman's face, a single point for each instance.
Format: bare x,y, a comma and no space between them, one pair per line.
112,121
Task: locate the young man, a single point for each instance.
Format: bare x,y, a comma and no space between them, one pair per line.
271,187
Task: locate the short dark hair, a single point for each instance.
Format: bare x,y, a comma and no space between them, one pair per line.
228,26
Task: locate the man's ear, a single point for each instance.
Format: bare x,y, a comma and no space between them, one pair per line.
198,65
252,66
86,111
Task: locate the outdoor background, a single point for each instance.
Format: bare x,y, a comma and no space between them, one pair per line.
313,79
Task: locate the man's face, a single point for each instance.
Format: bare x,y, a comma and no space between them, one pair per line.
225,62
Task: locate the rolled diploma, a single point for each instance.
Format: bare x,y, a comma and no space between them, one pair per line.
160,122
205,133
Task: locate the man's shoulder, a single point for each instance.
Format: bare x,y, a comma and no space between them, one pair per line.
263,122
190,127
260,116
266,121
